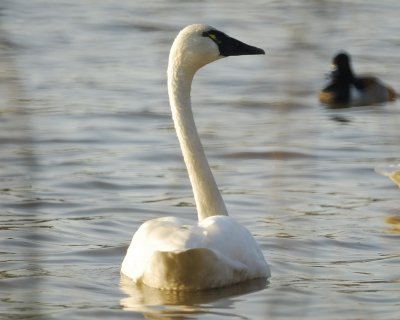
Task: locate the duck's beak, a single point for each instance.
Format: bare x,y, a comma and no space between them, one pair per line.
334,70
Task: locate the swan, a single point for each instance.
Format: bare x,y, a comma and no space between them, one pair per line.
168,253
348,89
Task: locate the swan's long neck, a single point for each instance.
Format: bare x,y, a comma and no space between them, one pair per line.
208,199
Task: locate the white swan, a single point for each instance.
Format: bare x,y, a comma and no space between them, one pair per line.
167,253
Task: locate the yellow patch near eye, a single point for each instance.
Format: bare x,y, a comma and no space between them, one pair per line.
214,37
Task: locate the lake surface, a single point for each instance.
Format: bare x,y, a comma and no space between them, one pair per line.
88,152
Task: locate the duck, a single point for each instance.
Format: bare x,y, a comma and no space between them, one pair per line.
171,253
347,89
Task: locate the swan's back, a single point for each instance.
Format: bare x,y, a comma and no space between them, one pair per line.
168,254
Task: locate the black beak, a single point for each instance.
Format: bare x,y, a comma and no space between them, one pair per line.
229,46
232,47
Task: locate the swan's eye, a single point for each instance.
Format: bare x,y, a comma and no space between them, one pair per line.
212,36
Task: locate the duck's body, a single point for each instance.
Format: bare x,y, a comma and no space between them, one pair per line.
168,253
348,89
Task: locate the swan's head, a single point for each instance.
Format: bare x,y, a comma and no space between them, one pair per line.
198,44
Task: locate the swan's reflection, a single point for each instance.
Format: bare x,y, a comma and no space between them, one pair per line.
160,304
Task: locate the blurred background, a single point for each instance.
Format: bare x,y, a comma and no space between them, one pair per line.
88,152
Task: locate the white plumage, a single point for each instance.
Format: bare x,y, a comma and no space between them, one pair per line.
169,253
166,253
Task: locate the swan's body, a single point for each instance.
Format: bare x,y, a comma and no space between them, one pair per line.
347,89
216,252
168,253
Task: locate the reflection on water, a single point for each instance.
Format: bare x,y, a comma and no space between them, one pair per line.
392,171
17,164
88,152
394,222
147,300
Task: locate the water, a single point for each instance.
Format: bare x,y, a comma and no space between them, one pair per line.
88,153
